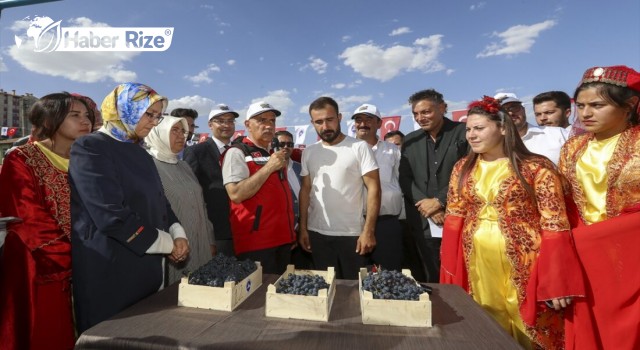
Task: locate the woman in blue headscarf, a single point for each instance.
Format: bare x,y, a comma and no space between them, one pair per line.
122,224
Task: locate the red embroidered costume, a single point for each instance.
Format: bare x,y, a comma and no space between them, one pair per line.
35,266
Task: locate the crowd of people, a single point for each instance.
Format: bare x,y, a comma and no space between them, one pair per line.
537,223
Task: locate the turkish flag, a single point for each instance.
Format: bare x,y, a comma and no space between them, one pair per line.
459,115
389,124
237,133
12,131
203,137
282,128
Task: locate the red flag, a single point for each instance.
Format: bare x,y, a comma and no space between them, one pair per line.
12,131
237,133
282,128
459,115
203,137
389,124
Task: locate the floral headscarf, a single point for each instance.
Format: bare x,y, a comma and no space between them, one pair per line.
158,141
123,108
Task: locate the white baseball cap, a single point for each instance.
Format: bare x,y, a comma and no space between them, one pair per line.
260,107
220,110
367,109
506,97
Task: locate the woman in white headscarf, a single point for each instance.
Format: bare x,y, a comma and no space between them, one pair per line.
184,193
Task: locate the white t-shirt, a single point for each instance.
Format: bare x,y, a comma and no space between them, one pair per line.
336,201
545,140
388,159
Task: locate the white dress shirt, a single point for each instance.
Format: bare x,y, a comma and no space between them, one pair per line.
545,140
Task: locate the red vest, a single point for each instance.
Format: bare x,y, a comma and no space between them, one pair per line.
266,219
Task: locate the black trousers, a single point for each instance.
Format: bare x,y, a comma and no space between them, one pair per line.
411,256
273,260
336,251
429,249
388,251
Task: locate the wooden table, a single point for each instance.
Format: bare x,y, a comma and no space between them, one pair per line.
158,323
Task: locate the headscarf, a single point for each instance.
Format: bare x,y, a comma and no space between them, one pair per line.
158,140
123,108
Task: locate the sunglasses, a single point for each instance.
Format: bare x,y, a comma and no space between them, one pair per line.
286,144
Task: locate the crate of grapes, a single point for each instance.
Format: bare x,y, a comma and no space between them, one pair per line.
221,284
393,298
301,294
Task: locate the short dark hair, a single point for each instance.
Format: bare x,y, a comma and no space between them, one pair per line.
393,133
284,133
49,112
562,100
184,112
428,94
322,102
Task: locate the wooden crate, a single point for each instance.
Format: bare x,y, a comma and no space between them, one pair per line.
224,298
302,307
408,313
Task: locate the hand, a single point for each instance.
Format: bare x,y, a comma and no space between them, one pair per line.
366,243
428,206
277,160
214,249
180,250
438,217
303,239
561,303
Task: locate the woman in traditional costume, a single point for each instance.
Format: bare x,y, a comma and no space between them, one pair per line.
35,263
182,189
123,225
603,171
506,234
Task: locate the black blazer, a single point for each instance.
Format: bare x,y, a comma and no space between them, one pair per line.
414,177
117,205
204,159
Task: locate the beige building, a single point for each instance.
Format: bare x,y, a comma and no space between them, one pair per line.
14,114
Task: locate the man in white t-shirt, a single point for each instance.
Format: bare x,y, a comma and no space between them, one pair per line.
388,252
334,175
544,140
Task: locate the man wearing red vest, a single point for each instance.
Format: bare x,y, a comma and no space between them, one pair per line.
262,223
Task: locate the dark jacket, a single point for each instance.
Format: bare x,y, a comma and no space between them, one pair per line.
414,175
116,192
204,160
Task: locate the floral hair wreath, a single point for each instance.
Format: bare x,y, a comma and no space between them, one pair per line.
488,104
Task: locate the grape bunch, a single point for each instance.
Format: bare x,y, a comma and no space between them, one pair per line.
301,284
221,269
390,284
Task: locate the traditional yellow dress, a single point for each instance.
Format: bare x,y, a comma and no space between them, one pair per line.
510,251
604,208
489,268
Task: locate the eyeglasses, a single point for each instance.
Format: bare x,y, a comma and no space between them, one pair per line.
157,117
224,121
286,144
179,132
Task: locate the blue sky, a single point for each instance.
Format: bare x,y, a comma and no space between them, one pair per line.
290,52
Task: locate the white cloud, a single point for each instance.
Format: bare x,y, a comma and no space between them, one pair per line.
208,7
346,38
203,76
86,67
376,62
221,32
317,64
3,67
231,62
201,104
515,40
339,86
477,6
450,71
400,31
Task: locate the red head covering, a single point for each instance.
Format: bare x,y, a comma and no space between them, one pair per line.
616,75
